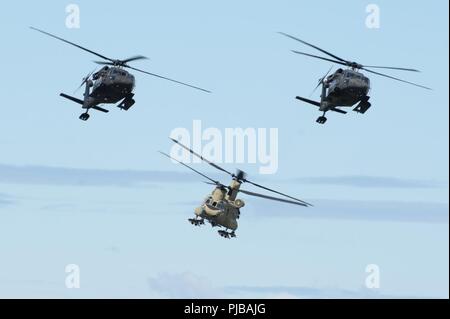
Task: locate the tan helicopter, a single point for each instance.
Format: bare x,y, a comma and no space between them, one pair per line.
222,207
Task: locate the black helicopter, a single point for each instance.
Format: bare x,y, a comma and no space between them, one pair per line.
111,84
345,88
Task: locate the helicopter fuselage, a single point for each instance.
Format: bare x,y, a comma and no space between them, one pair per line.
221,208
344,88
111,84
225,216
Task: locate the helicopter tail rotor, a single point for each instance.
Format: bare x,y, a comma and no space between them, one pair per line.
84,80
321,81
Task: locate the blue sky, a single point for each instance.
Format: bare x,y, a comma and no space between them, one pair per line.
97,194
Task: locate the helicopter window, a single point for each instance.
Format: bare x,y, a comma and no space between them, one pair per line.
124,73
214,204
220,205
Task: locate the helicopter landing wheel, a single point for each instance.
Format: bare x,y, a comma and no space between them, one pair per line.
196,222
84,117
223,233
226,234
321,120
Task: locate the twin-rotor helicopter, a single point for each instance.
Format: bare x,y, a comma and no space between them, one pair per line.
222,207
111,84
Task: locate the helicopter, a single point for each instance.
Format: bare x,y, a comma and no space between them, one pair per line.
221,208
111,84
345,87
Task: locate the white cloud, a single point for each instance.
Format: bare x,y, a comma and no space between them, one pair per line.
183,285
191,286
356,210
362,181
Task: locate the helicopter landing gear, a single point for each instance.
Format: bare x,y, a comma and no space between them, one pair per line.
321,119
226,234
84,116
127,102
363,105
196,222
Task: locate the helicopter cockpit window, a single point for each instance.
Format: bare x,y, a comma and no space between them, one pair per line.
220,205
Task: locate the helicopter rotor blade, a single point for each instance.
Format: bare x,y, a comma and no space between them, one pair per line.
165,78
390,68
122,62
202,158
104,63
313,46
397,79
71,43
134,58
243,179
218,185
277,192
319,57
207,177
273,198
